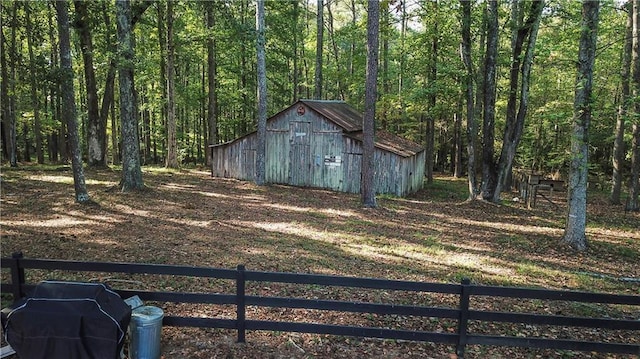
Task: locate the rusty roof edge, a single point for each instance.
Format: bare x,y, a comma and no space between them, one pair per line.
378,144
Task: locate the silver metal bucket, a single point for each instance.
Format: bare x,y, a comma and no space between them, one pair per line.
145,332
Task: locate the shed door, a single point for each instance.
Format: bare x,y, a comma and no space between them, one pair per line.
300,156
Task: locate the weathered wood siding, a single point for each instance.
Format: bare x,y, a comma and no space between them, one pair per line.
394,174
236,159
309,151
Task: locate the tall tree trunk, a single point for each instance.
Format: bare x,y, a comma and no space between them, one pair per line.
385,31
96,129
296,52
172,142
489,106
336,56
131,171
116,150
317,93
59,146
162,39
11,113
524,36
367,184
623,106
633,203
69,108
433,77
107,98
212,105
146,127
457,141
574,234
245,112
468,89
403,64
4,92
353,39
34,86
262,93
479,80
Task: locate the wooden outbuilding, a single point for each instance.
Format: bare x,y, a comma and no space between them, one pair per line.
319,144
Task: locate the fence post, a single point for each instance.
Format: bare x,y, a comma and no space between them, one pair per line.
463,320
17,276
240,303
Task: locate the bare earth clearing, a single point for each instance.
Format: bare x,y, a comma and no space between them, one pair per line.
188,218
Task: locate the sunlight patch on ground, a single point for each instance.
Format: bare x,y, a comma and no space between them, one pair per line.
127,210
56,222
68,180
296,229
213,194
179,186
616,237
189,222
328,211
500,225
253,198
104,242
359,247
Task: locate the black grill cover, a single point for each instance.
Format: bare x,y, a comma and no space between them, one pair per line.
67,320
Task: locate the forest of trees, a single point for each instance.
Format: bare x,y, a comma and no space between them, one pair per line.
486,86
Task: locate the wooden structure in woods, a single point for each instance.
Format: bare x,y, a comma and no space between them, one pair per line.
532,185
319,144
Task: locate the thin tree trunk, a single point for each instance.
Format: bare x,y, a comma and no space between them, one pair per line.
468,87
212,107
34,87
69,108
367,185
131,171
488,129
633,204
432,78
623,106
60,146
172,143
457,140
574,234
115,151
262,93
386,78
317,93
96,129
336,57
162,39
12,136
107,98
247,105
479,77
4,92
296,53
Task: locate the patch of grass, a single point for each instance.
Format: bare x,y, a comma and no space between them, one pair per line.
512,240
447,189
618,249
318,215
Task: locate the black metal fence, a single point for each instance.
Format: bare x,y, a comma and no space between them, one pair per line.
462,314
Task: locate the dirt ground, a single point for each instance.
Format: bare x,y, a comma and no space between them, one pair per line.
188,218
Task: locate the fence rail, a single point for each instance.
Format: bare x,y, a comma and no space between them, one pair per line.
462,314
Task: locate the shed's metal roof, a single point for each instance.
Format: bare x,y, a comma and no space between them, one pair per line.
345,116
392,143
338,112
